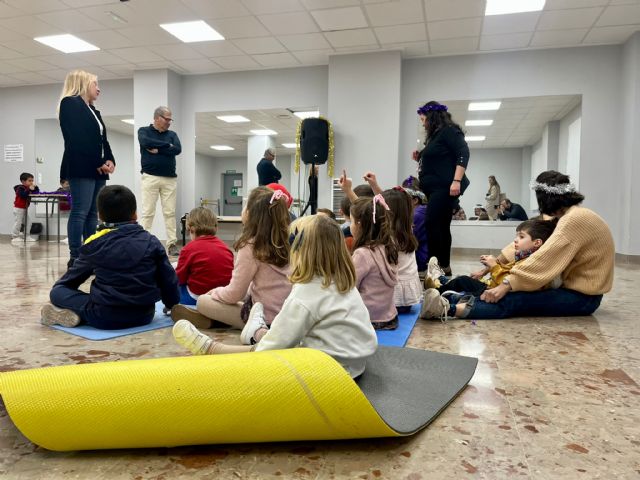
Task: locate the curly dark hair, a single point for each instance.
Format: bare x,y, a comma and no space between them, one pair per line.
551,203
437,119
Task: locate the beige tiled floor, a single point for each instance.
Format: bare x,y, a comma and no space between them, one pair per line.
551,398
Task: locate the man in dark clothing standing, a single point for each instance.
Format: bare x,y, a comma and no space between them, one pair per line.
511,211
158,149
267,171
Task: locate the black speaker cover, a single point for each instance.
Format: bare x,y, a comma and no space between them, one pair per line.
314,141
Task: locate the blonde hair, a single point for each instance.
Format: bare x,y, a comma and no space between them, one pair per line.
266,227
318,250
76,83
203,221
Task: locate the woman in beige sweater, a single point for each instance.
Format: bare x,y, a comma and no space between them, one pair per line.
580,250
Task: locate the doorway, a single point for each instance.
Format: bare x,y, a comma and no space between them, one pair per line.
232,191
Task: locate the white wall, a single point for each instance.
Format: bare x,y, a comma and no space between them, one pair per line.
505,164
627,171
364,106
569,144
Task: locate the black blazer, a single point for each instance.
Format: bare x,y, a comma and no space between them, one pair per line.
84,149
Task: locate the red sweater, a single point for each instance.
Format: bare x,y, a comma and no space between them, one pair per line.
205,263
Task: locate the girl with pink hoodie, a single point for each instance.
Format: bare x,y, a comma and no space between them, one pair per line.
375,256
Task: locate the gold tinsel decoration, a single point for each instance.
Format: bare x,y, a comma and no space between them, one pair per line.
330,160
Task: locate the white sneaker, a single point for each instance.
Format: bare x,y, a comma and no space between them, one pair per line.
191,338
434,306
434,271
31,239
65,241
254,323
52,315
17,240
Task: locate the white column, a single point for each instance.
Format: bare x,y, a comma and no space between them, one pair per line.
256,145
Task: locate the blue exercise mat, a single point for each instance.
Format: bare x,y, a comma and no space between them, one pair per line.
160,320
399,336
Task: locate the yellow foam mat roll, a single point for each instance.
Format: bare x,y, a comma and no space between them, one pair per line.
297,394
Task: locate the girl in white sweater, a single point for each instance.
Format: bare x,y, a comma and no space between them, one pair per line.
324,310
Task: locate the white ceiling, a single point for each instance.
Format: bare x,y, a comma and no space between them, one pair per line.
519,122
212,131
285,33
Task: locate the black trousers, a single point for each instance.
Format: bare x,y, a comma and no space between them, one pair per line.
438,225
466,284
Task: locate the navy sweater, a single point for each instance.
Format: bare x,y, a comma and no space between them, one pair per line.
163,163
131,268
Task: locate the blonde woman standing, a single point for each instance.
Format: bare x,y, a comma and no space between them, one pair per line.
87,160
493,198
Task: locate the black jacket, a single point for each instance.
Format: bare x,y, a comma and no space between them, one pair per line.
515,213
163,163
131,268
439,158
84,149
267,172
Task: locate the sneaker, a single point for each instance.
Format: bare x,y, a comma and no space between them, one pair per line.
183,312
17,240
453,297
65,240
31,239
254,323
52,315
434,306
173,250
190,338
434,271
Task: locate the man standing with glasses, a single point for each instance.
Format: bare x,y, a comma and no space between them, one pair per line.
158,149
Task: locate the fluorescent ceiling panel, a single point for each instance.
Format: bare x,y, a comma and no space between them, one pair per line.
289,145
66,43
233,118
504,7
130,121
475,138
478,123
222,147
264,132
309,114
480,106
189,32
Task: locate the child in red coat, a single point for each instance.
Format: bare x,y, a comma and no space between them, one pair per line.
206,262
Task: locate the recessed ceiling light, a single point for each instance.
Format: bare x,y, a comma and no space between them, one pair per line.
478,123
308,114
222,147
66,43
188,32
503,7
475,138
289,145
130,121
477,106
264,132
233,118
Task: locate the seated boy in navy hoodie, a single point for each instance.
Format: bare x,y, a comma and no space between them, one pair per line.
132,272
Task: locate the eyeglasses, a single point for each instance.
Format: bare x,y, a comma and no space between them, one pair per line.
169,120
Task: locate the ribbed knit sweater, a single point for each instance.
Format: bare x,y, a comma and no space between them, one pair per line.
580,250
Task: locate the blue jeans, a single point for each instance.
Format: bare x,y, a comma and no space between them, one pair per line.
185,298
100,316
83,217
559,302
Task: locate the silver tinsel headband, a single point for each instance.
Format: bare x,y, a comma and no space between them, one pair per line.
561,189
